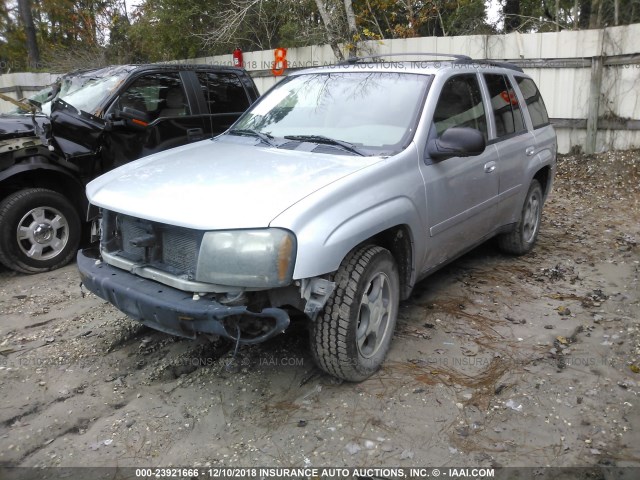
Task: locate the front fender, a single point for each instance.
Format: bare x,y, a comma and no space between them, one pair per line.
317,257
334,220
20,168
67,184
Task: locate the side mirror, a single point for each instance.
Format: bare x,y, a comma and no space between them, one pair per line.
133,118
456,142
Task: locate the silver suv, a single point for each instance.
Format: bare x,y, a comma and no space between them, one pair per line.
332,196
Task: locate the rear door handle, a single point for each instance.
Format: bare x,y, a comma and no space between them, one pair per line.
489,167
530,150
195,134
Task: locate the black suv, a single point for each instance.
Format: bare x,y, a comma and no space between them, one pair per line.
88,123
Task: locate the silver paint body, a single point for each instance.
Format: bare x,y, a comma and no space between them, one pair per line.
332,203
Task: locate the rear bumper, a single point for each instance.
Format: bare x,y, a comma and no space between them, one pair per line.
168,309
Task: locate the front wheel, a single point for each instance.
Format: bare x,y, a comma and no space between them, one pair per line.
522,239
39,230
351,337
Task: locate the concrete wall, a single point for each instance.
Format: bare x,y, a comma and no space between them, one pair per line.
24,84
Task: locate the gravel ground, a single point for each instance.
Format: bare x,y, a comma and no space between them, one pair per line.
497,361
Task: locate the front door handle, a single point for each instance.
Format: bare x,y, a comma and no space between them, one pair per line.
489,167
530,150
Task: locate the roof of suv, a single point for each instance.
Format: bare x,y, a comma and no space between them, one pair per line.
185,66
90,72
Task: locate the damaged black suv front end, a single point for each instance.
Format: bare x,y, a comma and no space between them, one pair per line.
88,123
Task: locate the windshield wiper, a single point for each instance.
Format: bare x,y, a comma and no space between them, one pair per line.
266,138
327,141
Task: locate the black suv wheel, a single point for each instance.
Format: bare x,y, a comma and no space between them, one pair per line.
39,230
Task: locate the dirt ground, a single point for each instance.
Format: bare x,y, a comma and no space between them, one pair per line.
497,361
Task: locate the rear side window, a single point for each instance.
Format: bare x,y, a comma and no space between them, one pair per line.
504,103
460,105
223,92
533,99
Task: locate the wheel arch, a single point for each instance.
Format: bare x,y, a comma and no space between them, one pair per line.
325,240
42,175
544,177
399,241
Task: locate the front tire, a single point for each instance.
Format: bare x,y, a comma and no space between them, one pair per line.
39,230
351,337
522,239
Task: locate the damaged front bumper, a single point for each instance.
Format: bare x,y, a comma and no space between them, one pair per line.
171,310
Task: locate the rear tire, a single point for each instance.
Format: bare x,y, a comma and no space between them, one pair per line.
39,230
522,239
351,337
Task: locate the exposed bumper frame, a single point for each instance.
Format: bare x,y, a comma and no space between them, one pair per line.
165,308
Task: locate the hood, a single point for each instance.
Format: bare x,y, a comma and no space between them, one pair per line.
15,126
76,133
226,183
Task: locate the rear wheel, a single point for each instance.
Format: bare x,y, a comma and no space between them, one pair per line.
351,337
522,239
39,230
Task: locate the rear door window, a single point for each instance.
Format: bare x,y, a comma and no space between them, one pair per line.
505,107
223,92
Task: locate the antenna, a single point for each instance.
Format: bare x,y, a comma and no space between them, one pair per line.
206,76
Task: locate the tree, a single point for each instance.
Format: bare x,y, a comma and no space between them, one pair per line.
257,24
333,26
539,15
585,13
163,30
462,17
511,12
66,34
12,40
61,35
267,24
410,18
30,30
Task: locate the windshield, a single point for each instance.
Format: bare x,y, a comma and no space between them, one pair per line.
84,90
93,92
374,111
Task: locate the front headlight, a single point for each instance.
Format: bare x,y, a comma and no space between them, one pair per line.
247,258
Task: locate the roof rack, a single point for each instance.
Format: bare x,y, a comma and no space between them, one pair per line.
352,60
492,63
457,59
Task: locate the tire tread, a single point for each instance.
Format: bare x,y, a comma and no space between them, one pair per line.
512,242
329,342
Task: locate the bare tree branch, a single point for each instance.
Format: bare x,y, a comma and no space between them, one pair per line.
229,21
